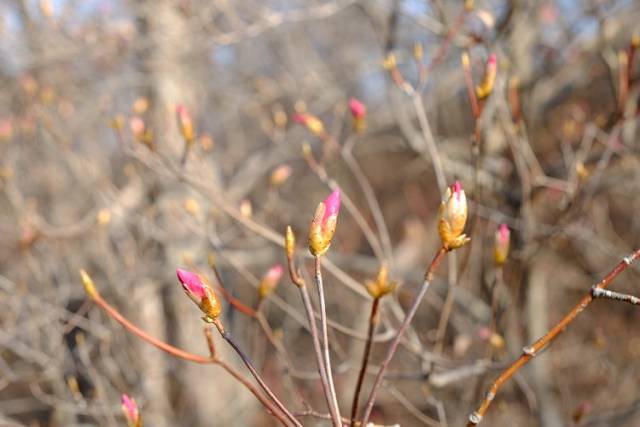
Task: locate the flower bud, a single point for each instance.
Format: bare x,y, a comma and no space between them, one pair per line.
358,112
185,124
381,286
200,293
323,226
89,286
270,281
501,245
484,89
390,62
130,411
290,242
453,217
311,122
280,175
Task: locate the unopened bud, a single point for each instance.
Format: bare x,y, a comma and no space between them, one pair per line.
453,217
484,89
289,242
185,124
270,281
89,286
501,244
418,51
358,112
200,293
311,122
381,286
323,226
130,411
280,175
389,62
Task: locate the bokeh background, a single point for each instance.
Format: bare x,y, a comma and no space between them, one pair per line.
92,176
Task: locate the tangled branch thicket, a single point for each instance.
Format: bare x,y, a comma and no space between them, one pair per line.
141,136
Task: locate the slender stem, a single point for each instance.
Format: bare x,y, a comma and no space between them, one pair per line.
174,351
396,341
185,355
235,374
325,338
530,352
373,321
227,336
318,351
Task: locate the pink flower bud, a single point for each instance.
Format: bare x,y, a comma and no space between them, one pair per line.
358,112
358,109
486,87
270,281
453,217
501,244
130,411
323,226
311,122
137,126
200,293
185,124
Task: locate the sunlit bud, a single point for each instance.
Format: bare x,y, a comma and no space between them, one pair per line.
137,126
206,142
501,244
246,209
381,286
46,8
358,112
635,40
130,411
289,242
389,62
211,260
185,124
270,281
280,175
280,118
453,217
581,170
200,293
104,216
312,123
418,51
468,5
192,206
496,341
74,387
323,226
140,105
484,89
118,122
6,130
140,131
89,286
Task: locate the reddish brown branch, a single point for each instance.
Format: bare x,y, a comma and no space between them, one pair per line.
530,352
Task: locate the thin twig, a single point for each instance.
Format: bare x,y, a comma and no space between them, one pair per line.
373,321
403,327
227,336
325,338
530,352
185,355
304,292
